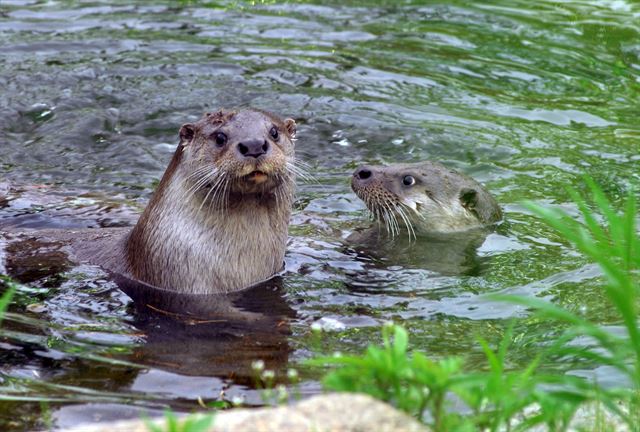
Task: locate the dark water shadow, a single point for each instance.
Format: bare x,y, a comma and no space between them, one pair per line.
211,335
450,254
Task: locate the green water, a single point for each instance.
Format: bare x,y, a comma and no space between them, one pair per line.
523,96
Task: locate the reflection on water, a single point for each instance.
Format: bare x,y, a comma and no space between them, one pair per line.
212,335
523,96
445,254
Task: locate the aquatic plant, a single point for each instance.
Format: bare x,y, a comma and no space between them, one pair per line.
192,423
614,244
7,296
413,383
426,388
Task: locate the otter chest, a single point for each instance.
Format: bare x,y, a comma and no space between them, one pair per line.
237,246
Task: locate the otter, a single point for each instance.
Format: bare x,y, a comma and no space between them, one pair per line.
424,198
218,220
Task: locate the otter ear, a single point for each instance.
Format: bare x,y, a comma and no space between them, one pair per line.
290,125
187,132
216,114
468,198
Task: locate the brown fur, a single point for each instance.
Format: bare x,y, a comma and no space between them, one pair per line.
440,201
218,220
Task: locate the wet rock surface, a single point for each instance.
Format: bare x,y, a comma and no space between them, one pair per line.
326,413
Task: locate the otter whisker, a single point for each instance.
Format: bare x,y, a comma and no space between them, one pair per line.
198,182
411,211
415,210
208,180
390,207
197,171
225,195
215,188
205,198
372,214
385,219
400,210
217,200
396,225
302,163
296,171
220,199
410,227
198,174
284,194
208,176
287,178
214,202
295,168
392,223
276,192
378,213
305,166
197,186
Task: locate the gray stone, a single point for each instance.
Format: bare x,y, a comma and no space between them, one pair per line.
338,412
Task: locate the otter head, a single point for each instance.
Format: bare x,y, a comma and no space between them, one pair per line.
424,197
230,153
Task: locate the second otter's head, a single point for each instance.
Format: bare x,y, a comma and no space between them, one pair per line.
424,197
238,152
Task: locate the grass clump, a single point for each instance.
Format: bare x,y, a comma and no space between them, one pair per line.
500,399
191,423
611,240
495,399
413,383
5,299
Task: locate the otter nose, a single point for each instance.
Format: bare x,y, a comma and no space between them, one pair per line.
363,173
253,148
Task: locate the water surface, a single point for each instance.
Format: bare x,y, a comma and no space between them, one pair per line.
523,96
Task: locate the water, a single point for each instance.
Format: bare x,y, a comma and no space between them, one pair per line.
523,96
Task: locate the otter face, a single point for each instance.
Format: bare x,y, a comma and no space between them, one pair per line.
243,152
421,198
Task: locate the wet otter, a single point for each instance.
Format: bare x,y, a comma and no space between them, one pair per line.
424,198
217,221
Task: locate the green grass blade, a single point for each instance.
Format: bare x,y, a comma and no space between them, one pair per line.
632,252
400,342
599,235
5,300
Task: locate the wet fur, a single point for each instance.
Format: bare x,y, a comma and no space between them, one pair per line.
207,228
441,201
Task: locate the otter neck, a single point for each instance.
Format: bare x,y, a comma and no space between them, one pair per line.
183,245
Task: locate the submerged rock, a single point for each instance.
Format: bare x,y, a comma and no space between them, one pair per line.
341,412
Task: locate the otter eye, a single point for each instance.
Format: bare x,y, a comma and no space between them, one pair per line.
408,180
274,133
220,138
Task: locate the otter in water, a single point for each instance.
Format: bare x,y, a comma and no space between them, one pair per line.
424,198
218,220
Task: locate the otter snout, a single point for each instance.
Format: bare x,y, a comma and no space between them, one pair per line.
253,148
362,176
363,172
